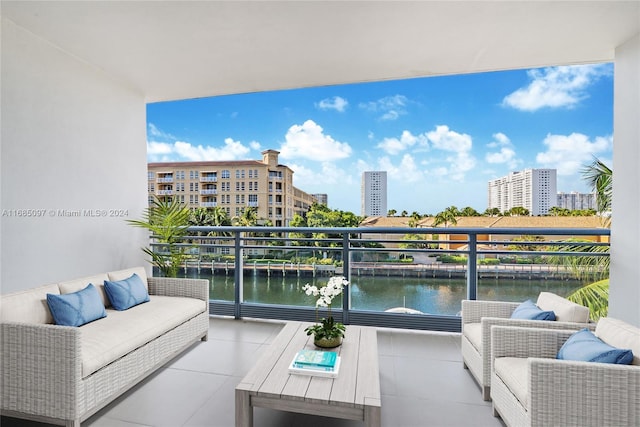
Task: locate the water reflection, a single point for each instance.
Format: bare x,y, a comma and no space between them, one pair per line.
428,295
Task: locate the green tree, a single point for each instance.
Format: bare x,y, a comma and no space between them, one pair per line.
600,178
492,212
595,295
249,218
392,212
168,221
447,217
558,211
469,211
518,211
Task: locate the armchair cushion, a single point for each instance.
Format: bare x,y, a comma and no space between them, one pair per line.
473,332
529,310
514,373
585,346
564,310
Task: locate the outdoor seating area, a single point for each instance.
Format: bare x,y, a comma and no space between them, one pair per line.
547,364
478,317
421,380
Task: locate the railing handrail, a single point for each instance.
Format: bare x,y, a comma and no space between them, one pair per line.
347,240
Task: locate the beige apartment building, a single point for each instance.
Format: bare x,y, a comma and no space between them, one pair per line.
232,185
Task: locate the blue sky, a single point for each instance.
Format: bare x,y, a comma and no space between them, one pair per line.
440,139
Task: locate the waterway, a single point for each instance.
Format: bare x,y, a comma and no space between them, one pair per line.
428,295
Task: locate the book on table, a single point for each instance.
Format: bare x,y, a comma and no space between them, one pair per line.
315,362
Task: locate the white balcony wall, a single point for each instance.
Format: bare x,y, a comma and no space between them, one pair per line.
72,143
624,297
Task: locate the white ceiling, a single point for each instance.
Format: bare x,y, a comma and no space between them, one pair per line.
172,50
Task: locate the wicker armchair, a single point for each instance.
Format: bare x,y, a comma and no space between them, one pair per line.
479,316
530,387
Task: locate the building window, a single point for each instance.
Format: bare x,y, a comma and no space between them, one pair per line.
225,174
150,175
237,185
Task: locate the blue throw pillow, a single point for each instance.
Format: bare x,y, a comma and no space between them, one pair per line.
528,310
77,308
585,346
126,293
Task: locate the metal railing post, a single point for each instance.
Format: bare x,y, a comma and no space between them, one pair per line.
346,272
472,268
238,276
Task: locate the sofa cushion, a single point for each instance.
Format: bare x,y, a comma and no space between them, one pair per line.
565,310
473,332
79,284
621,335
121,332
76,308
123,274
585,346
126,293
529,310
28,306
513,371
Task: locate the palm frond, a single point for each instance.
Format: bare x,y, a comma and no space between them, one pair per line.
595,296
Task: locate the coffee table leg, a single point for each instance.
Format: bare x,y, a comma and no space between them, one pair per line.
372,416
244,411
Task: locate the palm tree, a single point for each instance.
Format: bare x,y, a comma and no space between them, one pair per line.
492,212
249,218
596,295
446,217
600,178
392,212
167,220
469,211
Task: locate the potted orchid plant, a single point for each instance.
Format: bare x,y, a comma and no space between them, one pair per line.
327,333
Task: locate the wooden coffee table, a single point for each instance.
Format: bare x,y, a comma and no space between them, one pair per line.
354,394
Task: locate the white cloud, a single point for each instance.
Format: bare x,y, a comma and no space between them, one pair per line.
443,138
391,107
396,145
156,133
336,103
568,153
556,87
309,141
255,145
184,151
406,171
506,153
330,174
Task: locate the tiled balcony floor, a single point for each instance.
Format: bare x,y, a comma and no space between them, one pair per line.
421,377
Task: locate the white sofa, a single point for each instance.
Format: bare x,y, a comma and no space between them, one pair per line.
530,387
63,374
479,316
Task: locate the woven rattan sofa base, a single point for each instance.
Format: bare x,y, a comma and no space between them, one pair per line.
42,369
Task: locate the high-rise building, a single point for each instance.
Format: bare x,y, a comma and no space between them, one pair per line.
532,189
322,198
374,193
233,186
577,201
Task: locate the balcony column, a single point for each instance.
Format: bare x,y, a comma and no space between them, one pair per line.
624,292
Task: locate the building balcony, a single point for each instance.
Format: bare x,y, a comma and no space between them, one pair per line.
164,192
252,204
164,180
208,179
208,204
208,191
422,382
